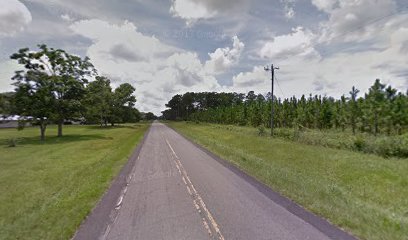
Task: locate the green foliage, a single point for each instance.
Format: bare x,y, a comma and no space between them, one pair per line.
395,146
149,116
98,101
21,124
34,98
382,111
359,143
123,102
54,87
104,105
11,142
385,146
6,103
51,85
261,130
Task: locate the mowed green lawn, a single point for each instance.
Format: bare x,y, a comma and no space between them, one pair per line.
47,189
364,194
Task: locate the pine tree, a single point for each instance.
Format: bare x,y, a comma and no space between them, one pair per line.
353,108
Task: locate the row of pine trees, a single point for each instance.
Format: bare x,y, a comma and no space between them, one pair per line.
382,110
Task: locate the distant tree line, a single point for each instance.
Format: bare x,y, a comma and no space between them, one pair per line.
56,87
149,116
381,110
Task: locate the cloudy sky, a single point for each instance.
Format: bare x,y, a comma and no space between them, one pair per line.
165,47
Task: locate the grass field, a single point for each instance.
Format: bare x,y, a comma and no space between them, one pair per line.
364,194
47,189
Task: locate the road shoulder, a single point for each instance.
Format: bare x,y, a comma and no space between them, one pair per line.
318,222
103,214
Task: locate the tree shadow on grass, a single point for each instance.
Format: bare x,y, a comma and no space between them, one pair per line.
133,126
51,140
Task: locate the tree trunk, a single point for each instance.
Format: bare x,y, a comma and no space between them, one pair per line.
353,123
60,123
375,124
353,126
43,126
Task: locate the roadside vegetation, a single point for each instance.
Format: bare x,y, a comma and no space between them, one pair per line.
49,187
363,193
376,122
55,87
382,145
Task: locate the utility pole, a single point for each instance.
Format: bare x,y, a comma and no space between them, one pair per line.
272,69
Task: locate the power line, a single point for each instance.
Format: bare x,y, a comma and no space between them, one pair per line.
374,20
403,9
328,51
277,82
369,22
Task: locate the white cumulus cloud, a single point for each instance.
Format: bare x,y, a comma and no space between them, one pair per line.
324,5
157,70
255,80
224,58
336,74
66,17
14,17
351,20
194,10
297,43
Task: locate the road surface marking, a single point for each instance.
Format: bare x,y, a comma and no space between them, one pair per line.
184,180
189,191
207,227
171,148
115,211
197,200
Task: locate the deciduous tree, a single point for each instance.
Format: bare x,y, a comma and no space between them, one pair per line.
66,75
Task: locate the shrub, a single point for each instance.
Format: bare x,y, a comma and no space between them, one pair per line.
286,133
12,142
392,146
359,143
385,146
261,130
21,125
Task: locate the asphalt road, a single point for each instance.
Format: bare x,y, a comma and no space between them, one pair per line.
176,190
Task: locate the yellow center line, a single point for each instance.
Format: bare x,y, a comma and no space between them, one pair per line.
197,200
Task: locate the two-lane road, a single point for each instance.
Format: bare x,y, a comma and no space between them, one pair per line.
178,191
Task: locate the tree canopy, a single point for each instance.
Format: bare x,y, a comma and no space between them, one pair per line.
56,86
381,110
63,74
104,105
